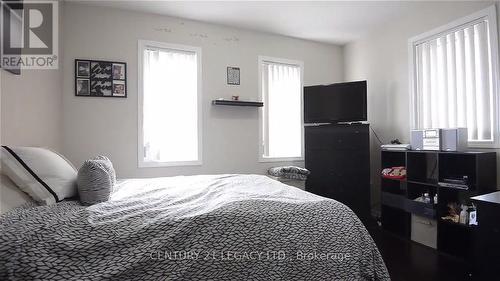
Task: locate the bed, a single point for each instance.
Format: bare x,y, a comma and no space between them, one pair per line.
207,227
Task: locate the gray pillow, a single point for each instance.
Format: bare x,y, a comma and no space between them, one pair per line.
96,179
108,165
289,172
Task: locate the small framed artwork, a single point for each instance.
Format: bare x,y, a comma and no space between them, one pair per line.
119,88
100,78
119,71
97,78
83,68
233,75
82,87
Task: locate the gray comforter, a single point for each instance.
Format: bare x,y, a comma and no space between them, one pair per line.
229,227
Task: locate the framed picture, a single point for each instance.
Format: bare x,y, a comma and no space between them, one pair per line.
83,68
119,71
100,78
119,88
233,75
82,87
97,78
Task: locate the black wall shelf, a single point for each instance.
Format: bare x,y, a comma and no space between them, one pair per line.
238,103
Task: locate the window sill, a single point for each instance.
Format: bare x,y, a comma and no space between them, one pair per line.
280,159
152,164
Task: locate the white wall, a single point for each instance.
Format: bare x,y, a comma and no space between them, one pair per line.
31,108
230,135
382,59
31,105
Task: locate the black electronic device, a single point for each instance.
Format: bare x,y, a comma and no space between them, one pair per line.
340,102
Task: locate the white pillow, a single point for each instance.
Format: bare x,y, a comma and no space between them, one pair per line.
10,195
44,175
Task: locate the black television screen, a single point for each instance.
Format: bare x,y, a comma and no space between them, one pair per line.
341,102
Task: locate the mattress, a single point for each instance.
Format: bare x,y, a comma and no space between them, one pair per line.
213,227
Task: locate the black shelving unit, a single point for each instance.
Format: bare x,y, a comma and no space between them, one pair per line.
238,103
424,170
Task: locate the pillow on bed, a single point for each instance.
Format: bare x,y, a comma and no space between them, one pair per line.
10,195
96,179
43,174
108,165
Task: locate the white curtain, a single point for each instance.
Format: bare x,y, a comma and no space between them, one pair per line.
454,82
170,113
281,87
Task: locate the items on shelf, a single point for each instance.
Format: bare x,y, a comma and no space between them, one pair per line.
425,198
465,214
395,141
453,214
457,182
452,139
395,146
394,173
472,215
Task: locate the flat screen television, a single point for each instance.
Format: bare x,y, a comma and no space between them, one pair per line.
340,102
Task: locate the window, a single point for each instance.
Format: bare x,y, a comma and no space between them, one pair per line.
454,72
169,105
281,119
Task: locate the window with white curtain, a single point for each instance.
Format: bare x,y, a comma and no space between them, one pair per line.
455,78
281,118
169,108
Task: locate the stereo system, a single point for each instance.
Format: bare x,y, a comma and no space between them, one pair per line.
439,139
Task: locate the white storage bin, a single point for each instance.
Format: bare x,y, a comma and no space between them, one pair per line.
424,231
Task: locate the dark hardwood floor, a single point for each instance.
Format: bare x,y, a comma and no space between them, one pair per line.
408,261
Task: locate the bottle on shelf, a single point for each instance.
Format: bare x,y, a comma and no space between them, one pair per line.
472,215
427,198
464,215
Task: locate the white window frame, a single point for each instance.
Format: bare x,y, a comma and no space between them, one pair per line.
142,45
261,60
489,14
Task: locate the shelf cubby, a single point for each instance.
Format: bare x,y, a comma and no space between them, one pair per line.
394,186
422,167
396,221
393,159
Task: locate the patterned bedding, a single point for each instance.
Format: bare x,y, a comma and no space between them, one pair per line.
224,227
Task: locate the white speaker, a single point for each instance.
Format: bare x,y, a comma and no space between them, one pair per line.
417,139
454,139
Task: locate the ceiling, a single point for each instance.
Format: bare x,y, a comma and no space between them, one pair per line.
335,22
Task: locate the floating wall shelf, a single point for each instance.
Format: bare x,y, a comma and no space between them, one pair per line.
238,103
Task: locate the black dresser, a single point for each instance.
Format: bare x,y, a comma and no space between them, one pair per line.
338,157
487,240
